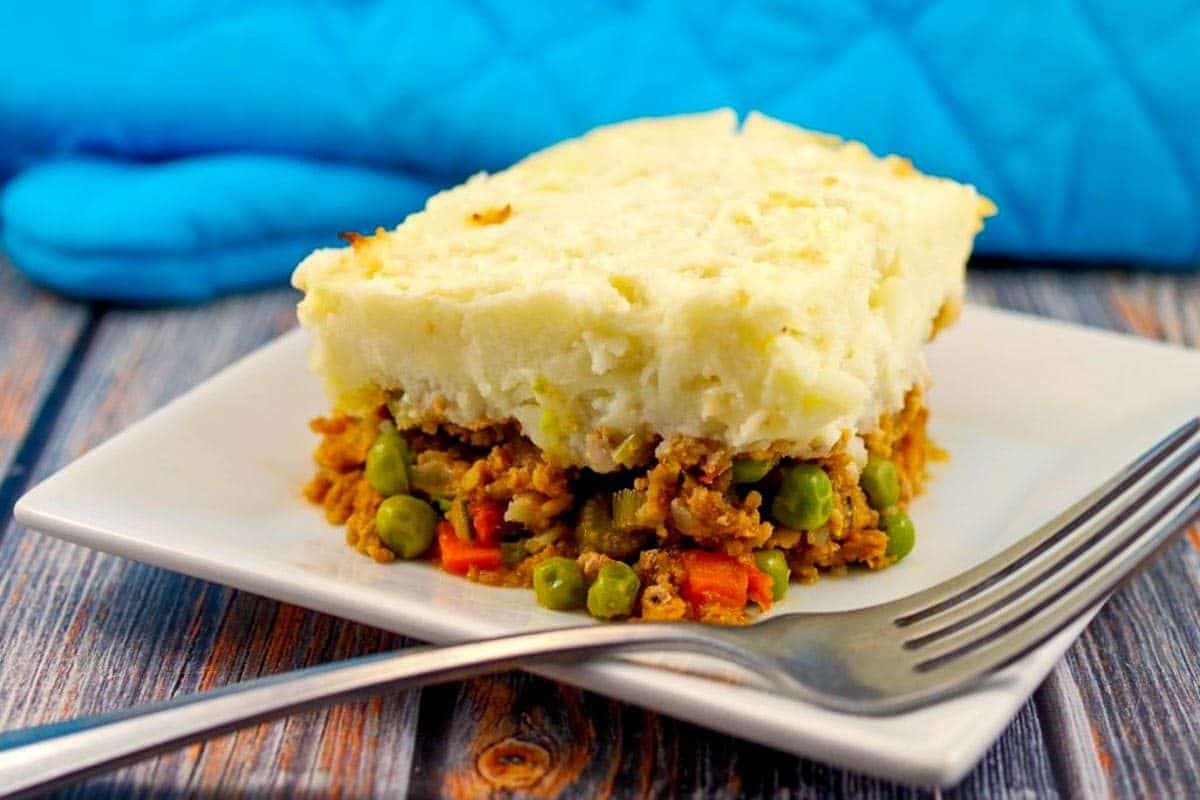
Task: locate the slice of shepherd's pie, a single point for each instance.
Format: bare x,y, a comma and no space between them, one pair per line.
653,372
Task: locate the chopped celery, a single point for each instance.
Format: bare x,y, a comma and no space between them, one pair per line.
433,478
595,519
597,532
460,519
556,421
626,503
513,553
631,451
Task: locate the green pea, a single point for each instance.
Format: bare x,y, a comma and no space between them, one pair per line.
881,483
406,525
804,500
901,533
388,461
614,592
750,470
558,584
774,564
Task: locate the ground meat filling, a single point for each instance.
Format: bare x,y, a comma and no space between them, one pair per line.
681,499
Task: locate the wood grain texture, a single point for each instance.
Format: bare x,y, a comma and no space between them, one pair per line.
1123,709
1077,762
601,748
1138,664
90,632
94,632
37,334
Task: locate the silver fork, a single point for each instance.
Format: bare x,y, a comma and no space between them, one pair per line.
878,660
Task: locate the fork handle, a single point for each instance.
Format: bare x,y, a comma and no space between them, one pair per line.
36,759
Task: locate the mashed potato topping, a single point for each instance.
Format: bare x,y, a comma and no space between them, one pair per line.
658,372
759,286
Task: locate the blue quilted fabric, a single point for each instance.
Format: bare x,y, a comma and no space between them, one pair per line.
177,149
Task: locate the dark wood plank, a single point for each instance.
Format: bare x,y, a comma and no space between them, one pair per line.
532,738
1067,730
37,335
101,633
144,634
1123,710
94,632
1138,666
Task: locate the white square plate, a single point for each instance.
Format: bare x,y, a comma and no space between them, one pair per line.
1034,413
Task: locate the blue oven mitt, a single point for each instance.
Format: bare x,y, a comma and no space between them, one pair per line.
187,229
171,151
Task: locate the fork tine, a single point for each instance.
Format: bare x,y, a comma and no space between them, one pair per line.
1091,539
1046,615
951,593
1056,585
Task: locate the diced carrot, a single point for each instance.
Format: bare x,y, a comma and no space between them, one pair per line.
458,556
487,517
762,588
714,578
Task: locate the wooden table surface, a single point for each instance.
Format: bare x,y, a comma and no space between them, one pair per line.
83,632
